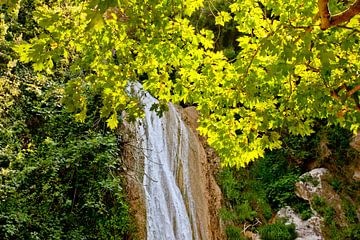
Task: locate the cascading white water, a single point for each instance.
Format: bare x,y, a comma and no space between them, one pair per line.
170,208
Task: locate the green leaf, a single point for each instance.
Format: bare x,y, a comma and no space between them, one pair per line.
112,122
222,18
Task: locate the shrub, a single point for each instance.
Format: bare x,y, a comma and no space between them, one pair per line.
278,231
59,179
281,192
233,233
302,207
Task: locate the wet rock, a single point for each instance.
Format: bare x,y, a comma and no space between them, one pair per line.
193,172
203,164
306,229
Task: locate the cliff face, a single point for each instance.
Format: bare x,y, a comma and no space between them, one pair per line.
203,164
170,177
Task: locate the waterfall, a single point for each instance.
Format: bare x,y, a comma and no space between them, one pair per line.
165,141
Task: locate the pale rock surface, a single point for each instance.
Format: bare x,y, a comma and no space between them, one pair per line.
308,189
315,183
306,229
203,164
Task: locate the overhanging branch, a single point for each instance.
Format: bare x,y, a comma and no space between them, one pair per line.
327,20
349,93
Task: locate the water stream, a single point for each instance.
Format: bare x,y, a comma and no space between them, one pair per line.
171,213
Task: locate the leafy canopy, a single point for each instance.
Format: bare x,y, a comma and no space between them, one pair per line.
284,71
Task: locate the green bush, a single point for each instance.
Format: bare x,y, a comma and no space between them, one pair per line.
59,179
65,190
264,186
353,231
350,211
233,233
256,192
281,192
245,212
336,184
278,231
310,179
302,207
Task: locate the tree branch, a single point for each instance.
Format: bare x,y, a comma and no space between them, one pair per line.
353,90
324,14
327,20
350,92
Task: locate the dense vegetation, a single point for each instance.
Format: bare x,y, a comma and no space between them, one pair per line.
59,179
252,68
257,71
254,194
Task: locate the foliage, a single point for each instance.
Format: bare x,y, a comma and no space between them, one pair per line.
59,179
336,185
282,191
303,208
268,184
333,229
253,194
350,211
282,73
278,230
339,140
310,179
234,233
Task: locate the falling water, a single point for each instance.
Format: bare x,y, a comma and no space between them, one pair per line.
170,208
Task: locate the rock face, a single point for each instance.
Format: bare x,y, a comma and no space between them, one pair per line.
203,162
314,183
356,175
306,229
251,236
133,161
172,191
311,184
314,187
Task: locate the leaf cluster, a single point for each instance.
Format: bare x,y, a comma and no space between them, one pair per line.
59,179
278,72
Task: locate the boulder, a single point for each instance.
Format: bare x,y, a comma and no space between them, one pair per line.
306,229
315,184
310,184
